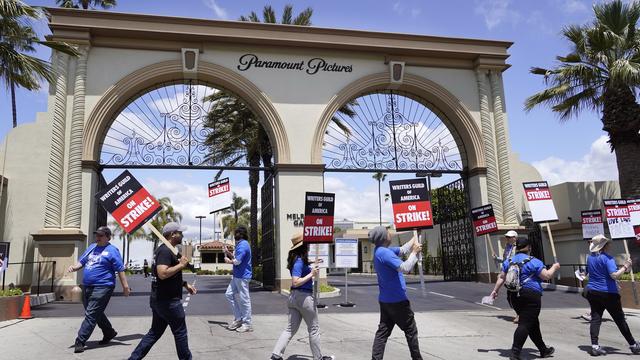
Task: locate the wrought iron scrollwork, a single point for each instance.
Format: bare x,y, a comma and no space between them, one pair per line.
390,131
164,126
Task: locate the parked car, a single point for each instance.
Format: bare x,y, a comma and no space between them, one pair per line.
135,267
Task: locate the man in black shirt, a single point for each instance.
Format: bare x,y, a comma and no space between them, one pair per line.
166,293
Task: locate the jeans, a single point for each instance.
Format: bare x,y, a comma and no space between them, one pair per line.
527,305
238,296
400,314
601,301
301,306
95,300
165,312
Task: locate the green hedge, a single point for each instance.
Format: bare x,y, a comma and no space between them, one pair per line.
10,292
216,272
326,288
627,277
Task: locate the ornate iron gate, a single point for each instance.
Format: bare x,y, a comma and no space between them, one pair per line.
451,212
267,245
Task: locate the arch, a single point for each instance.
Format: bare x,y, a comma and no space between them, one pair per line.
459,117
125,89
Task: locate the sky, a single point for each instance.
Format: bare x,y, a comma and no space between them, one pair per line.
574,150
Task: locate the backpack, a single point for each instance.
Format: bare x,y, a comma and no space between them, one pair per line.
512,280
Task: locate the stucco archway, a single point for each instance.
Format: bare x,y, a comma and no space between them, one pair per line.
120,93
457,116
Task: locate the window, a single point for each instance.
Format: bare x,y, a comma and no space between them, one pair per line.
221,258
208,258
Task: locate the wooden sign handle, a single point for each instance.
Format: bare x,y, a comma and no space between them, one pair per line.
164,241
633,278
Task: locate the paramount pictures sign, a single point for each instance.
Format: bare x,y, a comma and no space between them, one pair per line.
311,66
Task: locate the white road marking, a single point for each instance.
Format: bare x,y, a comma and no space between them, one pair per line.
447,296
489,306
412,288
185,303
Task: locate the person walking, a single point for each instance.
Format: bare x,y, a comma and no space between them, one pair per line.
395,308
301,305
602,293
509,250
523,275
145,268
100,262
238,289
166,293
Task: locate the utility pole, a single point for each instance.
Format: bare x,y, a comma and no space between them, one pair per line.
200,217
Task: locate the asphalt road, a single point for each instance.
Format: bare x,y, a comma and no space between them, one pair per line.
363,291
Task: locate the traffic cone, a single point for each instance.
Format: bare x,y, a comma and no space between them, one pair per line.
26,308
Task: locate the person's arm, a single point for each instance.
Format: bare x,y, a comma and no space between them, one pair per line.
615,275
406,248
165,272
241,252
190,288
499,283
547,274
75,267
126,290
408,264
296,279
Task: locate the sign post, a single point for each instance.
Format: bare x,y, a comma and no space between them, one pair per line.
542,209
620,227
412,211
4,259
346,255
318,226
484,223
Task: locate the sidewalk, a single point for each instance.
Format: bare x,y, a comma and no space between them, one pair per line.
443,335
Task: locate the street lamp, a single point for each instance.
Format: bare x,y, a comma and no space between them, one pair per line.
200,217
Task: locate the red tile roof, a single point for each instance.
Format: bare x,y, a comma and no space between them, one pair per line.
214,245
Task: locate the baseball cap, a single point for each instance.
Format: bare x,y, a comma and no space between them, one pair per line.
522,243
103,230
172,227
511,233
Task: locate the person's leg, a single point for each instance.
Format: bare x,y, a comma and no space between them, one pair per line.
242,285
596,302
384,331
522,331
102,321
178,325
403,316
95,301
533,322
292,327
307,308
158,326
614,307
231,297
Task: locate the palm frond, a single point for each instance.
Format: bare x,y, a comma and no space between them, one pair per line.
287,15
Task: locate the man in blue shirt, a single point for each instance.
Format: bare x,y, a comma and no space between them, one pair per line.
395,308
238,289
100,262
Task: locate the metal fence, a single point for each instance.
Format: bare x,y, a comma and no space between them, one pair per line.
39,276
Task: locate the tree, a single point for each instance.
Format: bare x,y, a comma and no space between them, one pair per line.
118,231
229,223
601,73
238,207
86,4
166,215
17,40
380,176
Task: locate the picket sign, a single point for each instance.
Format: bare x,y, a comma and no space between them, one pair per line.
484,223
620,227
542,209
418,235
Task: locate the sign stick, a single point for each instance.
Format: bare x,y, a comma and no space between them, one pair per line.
487,244
317,279
553,247
633,278
164,241
418,235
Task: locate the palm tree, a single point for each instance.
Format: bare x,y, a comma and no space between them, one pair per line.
17,40
229,223
85,4
238,207
269,16
602,73
117,230
167,214
380,176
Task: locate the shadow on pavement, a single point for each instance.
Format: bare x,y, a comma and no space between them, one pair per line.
608,349
525,353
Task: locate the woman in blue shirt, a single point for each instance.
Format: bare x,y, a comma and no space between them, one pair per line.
602,293
301,304
527,301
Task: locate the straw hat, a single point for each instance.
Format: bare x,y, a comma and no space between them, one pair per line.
597,243
296,241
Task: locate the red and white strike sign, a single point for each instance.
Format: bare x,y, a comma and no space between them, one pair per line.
634,214
592,223
540,202
128,202
318,217
484,220
411,204
618,219
220,196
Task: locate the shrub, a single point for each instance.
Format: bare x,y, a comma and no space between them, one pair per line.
627,276
326,288
10,292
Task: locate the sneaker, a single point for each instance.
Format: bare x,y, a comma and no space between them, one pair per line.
328,357
547,352
635,348
244,328
78,347
234,324
275,357
587,317
107,338
597,351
